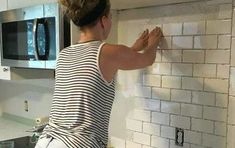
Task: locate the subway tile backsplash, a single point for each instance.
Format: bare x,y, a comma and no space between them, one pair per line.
192,83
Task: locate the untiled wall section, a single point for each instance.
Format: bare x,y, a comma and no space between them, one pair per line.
187,86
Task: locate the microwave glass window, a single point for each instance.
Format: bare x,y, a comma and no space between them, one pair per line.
18,40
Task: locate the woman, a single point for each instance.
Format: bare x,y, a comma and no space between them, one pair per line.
84,86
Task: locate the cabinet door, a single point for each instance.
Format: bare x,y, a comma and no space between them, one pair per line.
3,5
13,4
5,73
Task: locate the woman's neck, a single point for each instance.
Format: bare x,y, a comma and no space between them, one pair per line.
90,34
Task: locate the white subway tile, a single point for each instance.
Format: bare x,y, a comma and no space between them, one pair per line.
171,82
191,110
130,144
220,128
193,137
180,69
179,121
172,145
230,136
221,100
152,80
172,29
203,98
223,71
141,115
171,55
170,107
233,48
161,93
224,42
117,142
205,42
224,27
192,83
216,85
214,113
158,56
160,118
181,96
161,68
232,82
141,138
218,56
141,91
167,132
213,141
160,142
182,42
147,104
204,70
134,125
192,28
225,11
231,110
152,129
202,125
194,56
165,43
196,146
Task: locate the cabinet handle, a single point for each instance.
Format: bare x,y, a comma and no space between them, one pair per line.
5,69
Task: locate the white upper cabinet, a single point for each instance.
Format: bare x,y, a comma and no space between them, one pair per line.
13,4
127,4
3,5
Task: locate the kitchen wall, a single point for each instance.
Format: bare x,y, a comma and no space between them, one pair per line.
191,85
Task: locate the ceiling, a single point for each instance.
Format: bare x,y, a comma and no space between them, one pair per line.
127,4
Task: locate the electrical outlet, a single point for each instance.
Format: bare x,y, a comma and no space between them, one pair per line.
179,137
26,106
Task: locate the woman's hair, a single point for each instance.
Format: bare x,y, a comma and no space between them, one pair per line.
86,12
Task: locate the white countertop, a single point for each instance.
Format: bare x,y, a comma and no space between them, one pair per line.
10,129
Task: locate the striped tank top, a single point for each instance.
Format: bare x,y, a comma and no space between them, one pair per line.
82,100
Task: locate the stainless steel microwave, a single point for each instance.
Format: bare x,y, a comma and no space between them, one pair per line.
32,37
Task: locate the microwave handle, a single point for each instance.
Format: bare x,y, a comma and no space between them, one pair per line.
35,37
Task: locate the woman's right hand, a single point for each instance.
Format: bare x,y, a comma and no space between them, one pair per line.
154,38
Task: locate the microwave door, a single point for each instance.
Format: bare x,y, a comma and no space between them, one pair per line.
41,39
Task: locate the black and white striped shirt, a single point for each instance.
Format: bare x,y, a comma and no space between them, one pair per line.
82,100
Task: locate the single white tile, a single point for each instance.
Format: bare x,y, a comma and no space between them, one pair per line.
172,29
216,85
223,71
161,68
230,136
213,141
192,28
147,104
191,110
204,70
231,110
182,42
170,107
212,27
221,100
159,142
134,125
167,132
192,83
141,115
202,125
181,96
224,42
152,80
160,118
220,128
171,55
204,98
171,82
194,56
152,129
215,114
205,42
141,138
218,56
161,93
181,69
179,121
193,137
